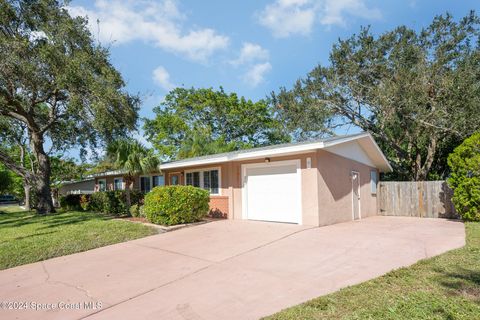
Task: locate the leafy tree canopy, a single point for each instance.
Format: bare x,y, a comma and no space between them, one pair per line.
58,85
417,93
66,169
6,179
195,122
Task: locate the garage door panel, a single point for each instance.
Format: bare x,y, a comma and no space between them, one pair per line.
273,193
273,170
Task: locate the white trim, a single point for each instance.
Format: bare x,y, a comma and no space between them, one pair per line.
295,149
278,151
98,182
357,137
346,139
193,162
244,168
201,170
381,153
359,196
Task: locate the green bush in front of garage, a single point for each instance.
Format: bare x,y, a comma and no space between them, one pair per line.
172,205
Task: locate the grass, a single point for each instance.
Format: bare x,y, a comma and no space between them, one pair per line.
26,237
443,287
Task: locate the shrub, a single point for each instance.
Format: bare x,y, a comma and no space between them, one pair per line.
464,179
141,211
70,202
97,201
84,202
137,210
114,202
134,210
176,204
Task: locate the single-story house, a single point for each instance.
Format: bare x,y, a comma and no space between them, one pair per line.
85,186
310,183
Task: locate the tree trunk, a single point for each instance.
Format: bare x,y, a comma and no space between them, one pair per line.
128,183
422,170
43,191
26,188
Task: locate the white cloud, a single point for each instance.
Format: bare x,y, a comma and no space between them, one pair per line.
162,78
159,24
251,52
256,74
288,17
255,60
334,12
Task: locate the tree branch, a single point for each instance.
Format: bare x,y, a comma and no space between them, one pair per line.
12,165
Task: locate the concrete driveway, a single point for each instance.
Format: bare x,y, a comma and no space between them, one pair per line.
222,270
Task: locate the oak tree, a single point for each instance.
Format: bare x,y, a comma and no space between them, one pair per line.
59,84
416,92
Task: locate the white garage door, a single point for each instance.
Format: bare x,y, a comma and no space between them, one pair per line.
272,192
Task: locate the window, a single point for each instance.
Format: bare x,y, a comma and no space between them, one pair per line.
118,184
102,185
206,179
145,185
373,181
174,180
193,179
158,181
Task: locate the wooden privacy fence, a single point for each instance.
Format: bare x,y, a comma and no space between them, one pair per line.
429,199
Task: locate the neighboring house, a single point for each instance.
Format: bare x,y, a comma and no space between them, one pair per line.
311,183
86,186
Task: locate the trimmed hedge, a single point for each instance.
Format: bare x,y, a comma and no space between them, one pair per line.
172,205
114,202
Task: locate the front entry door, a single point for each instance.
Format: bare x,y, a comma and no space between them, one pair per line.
356,195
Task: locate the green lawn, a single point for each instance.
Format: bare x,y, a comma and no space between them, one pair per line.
26,237
443,287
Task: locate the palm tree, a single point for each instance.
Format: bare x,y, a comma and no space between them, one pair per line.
134,159
201,143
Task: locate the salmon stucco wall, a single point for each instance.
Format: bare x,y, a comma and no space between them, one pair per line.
335,188
218,206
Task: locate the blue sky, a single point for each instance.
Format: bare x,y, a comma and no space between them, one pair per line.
248,47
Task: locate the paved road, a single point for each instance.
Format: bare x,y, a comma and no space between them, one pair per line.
223,270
